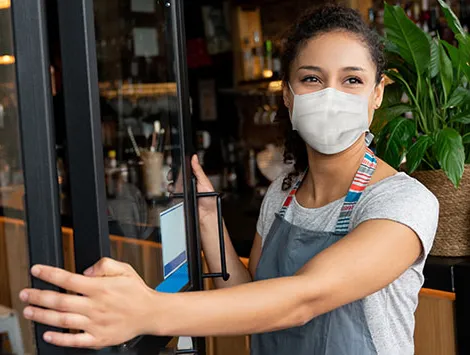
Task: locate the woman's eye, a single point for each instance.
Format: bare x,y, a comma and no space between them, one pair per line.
310,79
354,81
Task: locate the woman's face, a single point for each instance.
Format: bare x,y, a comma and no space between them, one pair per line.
339,60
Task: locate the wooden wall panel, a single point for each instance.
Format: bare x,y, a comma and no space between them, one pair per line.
5,298
17,257
435,324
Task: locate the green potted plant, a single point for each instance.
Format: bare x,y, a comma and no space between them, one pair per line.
425,118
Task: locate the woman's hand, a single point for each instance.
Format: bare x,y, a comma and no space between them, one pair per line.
114,307
207,206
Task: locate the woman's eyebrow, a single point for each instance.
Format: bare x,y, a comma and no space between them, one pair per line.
353,69
311,67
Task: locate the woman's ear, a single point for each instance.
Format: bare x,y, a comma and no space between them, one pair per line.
287,96
379,93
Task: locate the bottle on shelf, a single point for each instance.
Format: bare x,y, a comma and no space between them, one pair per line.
248,69
268,71
258,55
110,168
252,181
276,60
433,20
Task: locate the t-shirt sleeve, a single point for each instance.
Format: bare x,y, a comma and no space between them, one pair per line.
271,204
260,225
406,201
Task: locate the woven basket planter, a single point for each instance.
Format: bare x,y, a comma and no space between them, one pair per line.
453,232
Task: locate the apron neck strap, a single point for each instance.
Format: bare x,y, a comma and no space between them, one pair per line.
292,192
360,182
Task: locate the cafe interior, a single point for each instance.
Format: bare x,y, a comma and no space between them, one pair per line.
232,63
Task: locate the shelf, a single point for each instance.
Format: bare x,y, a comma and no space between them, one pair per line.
256,88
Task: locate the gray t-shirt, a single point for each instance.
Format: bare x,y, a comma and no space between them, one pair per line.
390,311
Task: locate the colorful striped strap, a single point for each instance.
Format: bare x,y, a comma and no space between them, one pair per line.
360,182
293,191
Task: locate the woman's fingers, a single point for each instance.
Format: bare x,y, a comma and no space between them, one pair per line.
169,175
109,267
80,340
201,176
55,300
64,279
56,319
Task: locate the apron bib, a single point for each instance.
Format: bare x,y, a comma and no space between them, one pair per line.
288,248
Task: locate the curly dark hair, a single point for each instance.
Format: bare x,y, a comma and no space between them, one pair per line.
318,21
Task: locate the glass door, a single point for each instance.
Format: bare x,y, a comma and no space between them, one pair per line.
126,131
104,125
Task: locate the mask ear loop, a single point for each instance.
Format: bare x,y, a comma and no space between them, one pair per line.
290,88
293,93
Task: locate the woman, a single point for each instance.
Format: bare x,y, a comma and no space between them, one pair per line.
336,266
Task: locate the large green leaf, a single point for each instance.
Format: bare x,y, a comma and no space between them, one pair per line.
398,78
398,110
453,53
397,63
466,138
450,154
434,64
391,47
452,19
392,95
464,49
458,97
384,115
446,71
463,117
395,140
412,43
415,154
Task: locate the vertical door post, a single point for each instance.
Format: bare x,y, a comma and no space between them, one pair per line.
37,144
83,127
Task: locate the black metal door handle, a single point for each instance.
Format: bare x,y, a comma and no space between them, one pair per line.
220,224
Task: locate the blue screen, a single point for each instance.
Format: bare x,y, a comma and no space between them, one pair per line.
174,254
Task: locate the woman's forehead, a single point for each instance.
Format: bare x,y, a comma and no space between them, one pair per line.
334,51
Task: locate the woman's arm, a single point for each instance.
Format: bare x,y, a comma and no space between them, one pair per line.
210,237
363,262
210,244
368,259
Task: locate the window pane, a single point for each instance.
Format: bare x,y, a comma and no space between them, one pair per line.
140,135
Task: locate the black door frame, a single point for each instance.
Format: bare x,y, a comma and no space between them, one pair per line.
83,129
82,116
42,216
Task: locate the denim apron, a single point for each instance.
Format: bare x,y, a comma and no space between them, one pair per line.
343,331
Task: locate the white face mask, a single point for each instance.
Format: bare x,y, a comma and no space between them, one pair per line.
329,120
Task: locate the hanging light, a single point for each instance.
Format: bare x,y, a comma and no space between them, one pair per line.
7,59
5,4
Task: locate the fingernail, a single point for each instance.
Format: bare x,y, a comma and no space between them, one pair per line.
35,271
47,338
28,313
88,271
24,296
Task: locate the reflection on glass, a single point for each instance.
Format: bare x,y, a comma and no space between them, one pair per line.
140,131
14,262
